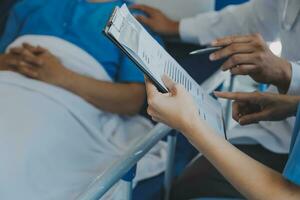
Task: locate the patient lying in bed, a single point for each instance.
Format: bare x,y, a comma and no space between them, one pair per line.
68,120
81,23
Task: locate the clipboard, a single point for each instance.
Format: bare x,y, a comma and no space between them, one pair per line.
114,25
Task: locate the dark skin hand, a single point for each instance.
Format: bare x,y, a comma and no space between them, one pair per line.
249,108
157,21
6,60
38,63
250,55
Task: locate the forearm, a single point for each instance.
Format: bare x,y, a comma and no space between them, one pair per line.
124,99
252,179
282,76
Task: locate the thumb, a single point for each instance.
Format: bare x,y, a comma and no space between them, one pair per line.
150,88
169,83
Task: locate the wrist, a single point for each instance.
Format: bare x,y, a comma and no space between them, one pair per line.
64,79
295,105
174,28
192,126
284,77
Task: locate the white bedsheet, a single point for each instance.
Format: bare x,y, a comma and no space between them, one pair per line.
52,142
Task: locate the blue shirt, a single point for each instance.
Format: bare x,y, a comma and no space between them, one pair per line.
292,168
77,21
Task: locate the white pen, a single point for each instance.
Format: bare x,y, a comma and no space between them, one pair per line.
206,50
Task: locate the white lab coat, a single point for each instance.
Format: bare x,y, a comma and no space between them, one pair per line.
273,19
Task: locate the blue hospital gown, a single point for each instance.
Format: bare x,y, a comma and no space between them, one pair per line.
77,21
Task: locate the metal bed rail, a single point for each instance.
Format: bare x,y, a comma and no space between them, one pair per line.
124,166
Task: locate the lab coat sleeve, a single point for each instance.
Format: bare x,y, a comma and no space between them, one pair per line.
294,88
256,16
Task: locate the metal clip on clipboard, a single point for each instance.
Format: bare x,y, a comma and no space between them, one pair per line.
115,20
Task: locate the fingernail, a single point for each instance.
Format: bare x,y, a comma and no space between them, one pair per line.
212,57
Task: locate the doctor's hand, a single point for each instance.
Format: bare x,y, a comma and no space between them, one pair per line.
177,108
249,108
157,21
38,63
250,55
